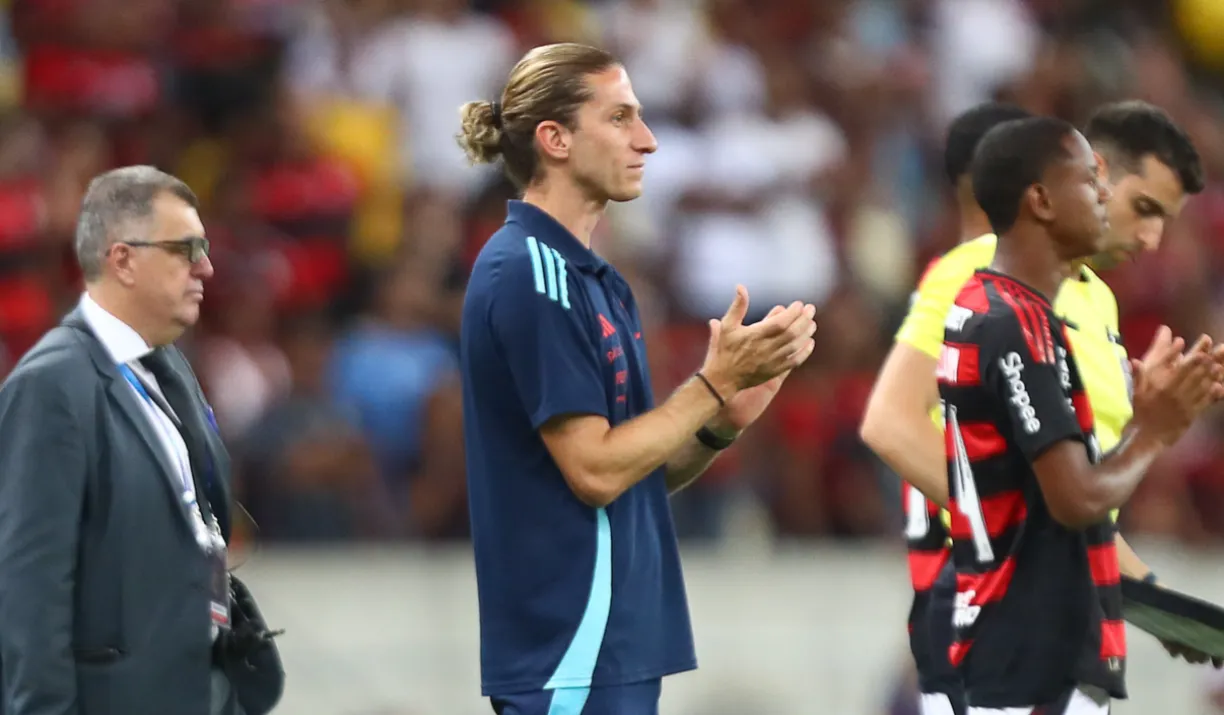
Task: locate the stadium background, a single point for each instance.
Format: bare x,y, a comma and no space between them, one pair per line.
800,147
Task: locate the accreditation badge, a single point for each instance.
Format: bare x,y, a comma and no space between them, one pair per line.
219,579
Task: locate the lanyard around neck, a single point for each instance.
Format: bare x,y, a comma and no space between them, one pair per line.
184,470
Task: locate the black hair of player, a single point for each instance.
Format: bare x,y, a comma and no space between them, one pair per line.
966,132
1012,157
1126,132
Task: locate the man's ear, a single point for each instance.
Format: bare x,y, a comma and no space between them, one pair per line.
1102,167
554,139
1038,200
120,256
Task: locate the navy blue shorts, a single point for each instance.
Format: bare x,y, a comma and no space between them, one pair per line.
633,699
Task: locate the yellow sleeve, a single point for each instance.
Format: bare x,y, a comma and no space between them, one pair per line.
923,327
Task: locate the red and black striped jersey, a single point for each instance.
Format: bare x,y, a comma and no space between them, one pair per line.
1038,606
926,537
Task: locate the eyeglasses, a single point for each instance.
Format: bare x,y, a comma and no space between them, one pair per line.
194,249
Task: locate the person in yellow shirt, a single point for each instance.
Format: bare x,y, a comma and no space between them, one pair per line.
1152,168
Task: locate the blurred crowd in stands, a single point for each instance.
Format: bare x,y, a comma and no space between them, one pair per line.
800,154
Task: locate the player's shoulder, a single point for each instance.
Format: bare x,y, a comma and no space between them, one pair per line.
509,253
958,264
1097,288
518,268
1087,302
991,303
1091,277
978,252
1014,317
505,250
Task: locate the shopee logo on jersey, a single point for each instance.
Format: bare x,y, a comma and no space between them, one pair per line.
1013,368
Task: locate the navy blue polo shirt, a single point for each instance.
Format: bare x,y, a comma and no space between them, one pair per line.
570,595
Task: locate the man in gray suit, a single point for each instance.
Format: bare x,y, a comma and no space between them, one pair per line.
114,502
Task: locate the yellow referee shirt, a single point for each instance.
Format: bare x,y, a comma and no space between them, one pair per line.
1085,303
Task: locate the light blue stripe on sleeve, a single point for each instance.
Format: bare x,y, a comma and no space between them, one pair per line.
562,279
568,701
537,268
550,270
578,664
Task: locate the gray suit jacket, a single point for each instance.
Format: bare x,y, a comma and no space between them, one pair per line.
104,599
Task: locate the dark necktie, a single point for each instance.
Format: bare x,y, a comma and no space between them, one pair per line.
178,396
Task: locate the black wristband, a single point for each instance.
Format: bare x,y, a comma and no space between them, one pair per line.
710,386
1150,578
707,437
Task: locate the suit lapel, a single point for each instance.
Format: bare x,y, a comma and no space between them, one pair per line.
210,461
128,403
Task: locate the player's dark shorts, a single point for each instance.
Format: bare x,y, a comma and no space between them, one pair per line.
1082,700
633,699
942,693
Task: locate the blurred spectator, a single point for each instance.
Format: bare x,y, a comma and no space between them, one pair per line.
225,59
367,50
306,473
824,480
239,364
752,218
281,181
26,299
977,46
397,373
338,50
661,44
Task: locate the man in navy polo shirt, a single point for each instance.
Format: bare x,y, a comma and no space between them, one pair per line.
570,463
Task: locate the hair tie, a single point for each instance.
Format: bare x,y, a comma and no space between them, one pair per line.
497,118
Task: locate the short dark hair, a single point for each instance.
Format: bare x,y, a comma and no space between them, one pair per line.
114,202
1012,157
1126,132
966,132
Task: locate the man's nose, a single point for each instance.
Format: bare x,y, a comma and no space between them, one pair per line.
203,268
1150,233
